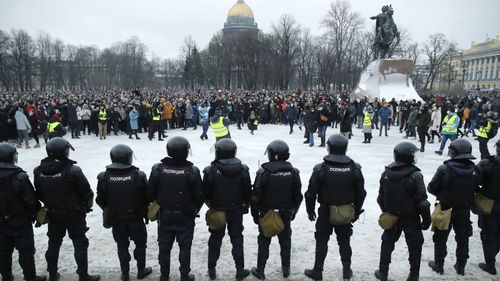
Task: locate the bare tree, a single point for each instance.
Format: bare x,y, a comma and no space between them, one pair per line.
286,32
437,49
22,49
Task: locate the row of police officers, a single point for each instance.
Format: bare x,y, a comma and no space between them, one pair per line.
178,192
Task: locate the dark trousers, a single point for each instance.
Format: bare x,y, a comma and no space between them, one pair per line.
17,233
175,226
234,220
461,224
483,148
285,240
323,231
414,241
422,135
155,128
76,232
490,234
125,231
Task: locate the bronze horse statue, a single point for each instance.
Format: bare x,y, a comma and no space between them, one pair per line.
386,31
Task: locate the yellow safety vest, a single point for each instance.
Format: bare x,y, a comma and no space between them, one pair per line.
219,129
156,114
367,121
484,131
449,124
103,115
52,126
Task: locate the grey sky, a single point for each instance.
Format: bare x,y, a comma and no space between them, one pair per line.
163,24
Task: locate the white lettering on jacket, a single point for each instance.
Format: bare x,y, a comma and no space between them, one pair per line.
127,178
174,172
340,170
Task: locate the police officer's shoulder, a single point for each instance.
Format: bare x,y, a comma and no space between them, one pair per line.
101,175
195,169
442,168
318,167
260,171
296,170
21,175
207,169
141,174
156,166
357,165
417,175
75,170
245,167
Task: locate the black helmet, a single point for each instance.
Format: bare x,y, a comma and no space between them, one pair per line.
278,150
121,154
337,144
8,153
405,152
225,149
490,114
460,149
178,148
58,148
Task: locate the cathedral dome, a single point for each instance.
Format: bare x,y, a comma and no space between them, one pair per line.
240,9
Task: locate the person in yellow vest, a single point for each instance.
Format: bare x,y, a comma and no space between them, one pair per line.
156,123
449,129
368,124
487,130
103,122
55,128
220,127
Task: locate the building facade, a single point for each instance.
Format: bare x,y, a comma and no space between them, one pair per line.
476,68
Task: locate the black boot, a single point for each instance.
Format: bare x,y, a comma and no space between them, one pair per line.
412,277
187,277
89,277
258,273
164,278
380,276
8,277
314,274
346,271
436,267
490,268
459,268
143,272
242,274
125,276
212,273
285,271
54,276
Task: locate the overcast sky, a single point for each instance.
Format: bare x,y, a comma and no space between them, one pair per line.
163,24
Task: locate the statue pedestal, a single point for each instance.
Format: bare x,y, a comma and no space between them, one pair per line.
387,78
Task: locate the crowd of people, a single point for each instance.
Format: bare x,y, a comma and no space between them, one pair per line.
40,115
175,192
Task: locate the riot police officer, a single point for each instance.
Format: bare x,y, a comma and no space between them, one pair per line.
277,186
175,184
338,181
454,185
490,224
67,196
402,194
122,194
18,204
227,188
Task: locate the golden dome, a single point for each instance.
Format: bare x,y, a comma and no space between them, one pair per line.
240,9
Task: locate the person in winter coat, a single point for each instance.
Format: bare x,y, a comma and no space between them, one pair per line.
435,123
35,126
345,121
188,116
253,120
368,124
23,128
454,185
311,117
323,122
384,114
134,123
423,123
291,113
168,113
86,115
204,119
402,194
412,123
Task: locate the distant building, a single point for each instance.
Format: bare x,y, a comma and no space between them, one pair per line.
239,35
476,68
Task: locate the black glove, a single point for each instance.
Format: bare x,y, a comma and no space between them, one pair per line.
311,215
256,220
293,212
426,222
244,209
357,213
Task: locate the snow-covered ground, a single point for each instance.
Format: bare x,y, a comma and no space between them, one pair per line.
92,155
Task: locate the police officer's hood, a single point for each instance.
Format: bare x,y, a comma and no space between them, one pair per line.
461,167
337,159
169,161
397,171
277,166
215,118
49,166
228,167
7,171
